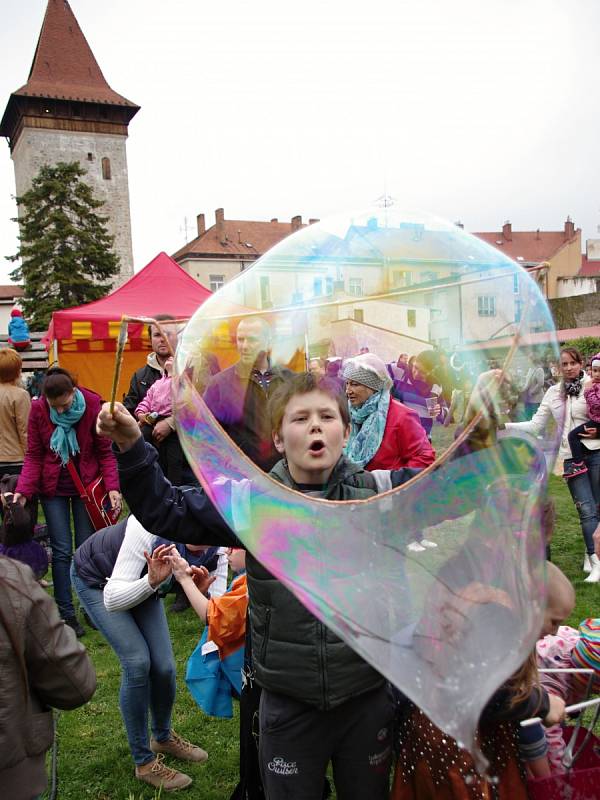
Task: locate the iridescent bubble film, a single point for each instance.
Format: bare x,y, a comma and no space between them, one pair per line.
447,621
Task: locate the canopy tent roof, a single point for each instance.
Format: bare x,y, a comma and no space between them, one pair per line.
161,287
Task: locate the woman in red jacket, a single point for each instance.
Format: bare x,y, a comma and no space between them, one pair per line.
384,433
62,426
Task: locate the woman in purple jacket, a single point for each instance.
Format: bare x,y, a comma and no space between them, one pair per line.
62,427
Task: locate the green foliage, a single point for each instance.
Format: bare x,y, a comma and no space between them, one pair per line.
588,346
65,250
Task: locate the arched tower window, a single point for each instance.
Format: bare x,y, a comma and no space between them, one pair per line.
106,168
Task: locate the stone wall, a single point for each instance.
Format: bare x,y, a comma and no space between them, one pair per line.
36,147
582,311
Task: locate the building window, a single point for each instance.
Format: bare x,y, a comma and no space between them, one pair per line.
359,315
328,285
428,275
265,291
90,156
518,309
516,283
486,305
216,282
355,287
106,168
401,278
318,287
411,318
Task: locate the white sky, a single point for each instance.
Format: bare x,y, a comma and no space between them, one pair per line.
478,110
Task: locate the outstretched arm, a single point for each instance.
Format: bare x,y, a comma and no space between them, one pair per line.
180,514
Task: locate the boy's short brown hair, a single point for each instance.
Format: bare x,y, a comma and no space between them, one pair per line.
10,365
303,383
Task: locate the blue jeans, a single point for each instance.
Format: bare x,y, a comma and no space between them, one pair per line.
58,518
140,638
585,491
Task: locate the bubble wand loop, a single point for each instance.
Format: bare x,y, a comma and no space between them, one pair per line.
122,341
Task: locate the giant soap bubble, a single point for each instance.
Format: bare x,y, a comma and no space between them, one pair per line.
447,624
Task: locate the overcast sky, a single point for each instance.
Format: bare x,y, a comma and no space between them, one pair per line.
478,110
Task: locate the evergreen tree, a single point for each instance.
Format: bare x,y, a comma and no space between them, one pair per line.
65,249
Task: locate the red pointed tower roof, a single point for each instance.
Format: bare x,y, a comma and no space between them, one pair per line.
64,66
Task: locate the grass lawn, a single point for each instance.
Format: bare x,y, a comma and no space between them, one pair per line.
94,760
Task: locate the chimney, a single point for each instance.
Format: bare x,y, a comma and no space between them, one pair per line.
537,234
507,231
569,229
220,225
296,223
274,219
460,224
313,220
201,224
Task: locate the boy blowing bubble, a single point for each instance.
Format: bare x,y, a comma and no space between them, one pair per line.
320,702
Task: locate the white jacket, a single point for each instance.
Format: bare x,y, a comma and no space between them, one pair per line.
568,412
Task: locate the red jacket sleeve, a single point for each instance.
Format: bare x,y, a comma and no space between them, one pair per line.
30,477
105,455
412,442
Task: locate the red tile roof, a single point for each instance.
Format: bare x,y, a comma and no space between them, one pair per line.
10,291
243,238
532,246
589,268
64,65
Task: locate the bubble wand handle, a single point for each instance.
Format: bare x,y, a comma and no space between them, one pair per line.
121,342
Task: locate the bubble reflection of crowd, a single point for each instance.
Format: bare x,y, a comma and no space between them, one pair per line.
392,412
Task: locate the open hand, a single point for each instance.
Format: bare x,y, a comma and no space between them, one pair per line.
202,578
159,567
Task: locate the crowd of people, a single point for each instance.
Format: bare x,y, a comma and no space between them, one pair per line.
306,698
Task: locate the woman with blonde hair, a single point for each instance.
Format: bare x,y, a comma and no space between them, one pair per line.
14,413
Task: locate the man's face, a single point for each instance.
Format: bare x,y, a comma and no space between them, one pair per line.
158,343
312,436
252,341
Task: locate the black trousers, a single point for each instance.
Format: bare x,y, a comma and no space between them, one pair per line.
297,742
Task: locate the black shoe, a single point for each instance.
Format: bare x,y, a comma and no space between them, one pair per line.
89,622
74,623
181,603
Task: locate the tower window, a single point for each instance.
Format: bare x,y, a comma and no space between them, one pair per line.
106,168
90,156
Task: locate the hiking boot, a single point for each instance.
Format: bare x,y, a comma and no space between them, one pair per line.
179,748
573,468
181,602
157,774
74,623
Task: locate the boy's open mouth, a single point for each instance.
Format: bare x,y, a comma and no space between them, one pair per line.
317,446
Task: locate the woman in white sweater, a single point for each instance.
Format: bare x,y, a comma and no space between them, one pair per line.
565,404
127,610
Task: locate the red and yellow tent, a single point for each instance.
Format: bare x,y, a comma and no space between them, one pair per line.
83,339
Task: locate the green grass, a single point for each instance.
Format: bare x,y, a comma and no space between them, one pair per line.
94,760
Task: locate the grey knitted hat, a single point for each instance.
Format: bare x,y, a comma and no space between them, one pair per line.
369,370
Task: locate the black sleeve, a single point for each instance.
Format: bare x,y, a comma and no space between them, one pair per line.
179,513
134,395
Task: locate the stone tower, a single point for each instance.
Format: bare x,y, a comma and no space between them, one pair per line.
67,112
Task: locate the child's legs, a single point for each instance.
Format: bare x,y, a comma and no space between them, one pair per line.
577,449
363,752
294,748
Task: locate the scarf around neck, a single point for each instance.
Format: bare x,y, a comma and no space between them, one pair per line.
367,427
573,388
64,439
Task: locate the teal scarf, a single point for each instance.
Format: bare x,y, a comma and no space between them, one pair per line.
367,427
64,439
